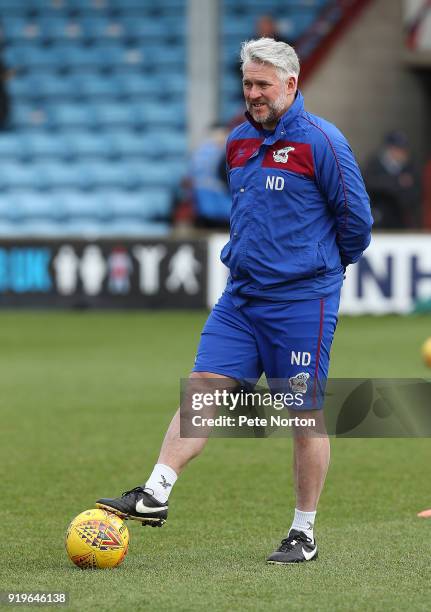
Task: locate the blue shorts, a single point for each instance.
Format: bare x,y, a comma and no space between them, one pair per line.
288,341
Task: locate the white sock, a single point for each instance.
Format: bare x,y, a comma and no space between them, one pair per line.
304,521
161,482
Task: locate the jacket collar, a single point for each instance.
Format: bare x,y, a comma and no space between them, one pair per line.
285,120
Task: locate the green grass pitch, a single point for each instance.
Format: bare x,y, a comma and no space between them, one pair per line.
85,399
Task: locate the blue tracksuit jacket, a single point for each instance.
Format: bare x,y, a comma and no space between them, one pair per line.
300,211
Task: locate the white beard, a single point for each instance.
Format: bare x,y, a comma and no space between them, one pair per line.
275,109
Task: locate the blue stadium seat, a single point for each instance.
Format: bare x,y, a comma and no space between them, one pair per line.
58,28
54,175
155,174
11,145
233,3
150,31
19,28
125,143
9,211
102,57
9,7
160,56
9,229
111,56
44,5
149,204
83,144
113,175
73,56
148,144
135,85
94,85
315,3
30,57
138,4
44,144
26,116
172,143
121,57
239,27
148,8
43,86
16,176
54,86
81,205
96,27
12,230
105,56
111,114
162,115
68,116
125,205
21,87
157,203
131,228
95,7
32,205
174,83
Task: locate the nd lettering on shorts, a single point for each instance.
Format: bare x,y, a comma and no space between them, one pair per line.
288,341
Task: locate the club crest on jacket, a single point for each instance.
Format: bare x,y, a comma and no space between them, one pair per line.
282,155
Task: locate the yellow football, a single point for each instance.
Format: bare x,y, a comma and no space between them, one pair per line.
426,352
97,539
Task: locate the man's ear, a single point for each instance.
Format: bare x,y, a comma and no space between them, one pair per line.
291,85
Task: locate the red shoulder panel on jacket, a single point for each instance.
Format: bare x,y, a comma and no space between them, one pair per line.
239,151
292,156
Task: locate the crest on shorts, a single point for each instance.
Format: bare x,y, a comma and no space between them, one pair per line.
298,383
282,155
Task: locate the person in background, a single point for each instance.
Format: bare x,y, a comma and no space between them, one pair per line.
212,202
267,27
183,214
393,185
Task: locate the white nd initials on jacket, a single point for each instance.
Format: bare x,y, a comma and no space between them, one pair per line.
275,183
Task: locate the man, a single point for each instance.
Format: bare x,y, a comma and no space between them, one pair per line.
300,215
393,184
210,195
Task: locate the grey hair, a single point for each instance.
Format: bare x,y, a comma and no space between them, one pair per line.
269,51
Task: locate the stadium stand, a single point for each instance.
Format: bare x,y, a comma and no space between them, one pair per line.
97,138
98,102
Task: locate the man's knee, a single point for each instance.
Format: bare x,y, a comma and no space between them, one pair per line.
211,375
